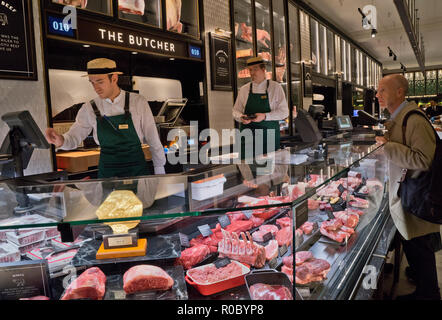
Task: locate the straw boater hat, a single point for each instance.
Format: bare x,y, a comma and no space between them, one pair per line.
255,60
101,66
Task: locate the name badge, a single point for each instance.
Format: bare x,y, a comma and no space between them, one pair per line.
123,126
263,97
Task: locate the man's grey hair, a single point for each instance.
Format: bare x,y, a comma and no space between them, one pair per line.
399,81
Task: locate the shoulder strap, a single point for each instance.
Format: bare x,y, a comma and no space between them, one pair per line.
126,104
251,87
404,123
96,111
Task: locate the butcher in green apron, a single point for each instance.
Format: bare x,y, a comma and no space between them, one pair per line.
120,122
260,110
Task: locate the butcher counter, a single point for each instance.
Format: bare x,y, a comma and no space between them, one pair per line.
325,201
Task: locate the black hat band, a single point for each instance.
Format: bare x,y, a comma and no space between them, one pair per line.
101,71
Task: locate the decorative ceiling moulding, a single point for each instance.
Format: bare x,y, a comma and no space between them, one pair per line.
411,26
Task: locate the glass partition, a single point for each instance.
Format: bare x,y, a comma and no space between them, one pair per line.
97,6
323,49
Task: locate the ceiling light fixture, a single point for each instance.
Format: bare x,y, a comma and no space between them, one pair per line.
373,33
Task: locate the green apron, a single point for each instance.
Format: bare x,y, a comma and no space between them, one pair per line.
121,154
259,103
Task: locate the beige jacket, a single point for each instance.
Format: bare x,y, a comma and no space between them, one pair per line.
415,156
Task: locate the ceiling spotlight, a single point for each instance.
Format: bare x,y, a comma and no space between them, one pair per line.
373,33
86,46
134,52
394,58
390,53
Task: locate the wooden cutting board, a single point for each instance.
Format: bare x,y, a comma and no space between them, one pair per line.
78,161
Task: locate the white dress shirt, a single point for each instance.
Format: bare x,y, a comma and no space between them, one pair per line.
142,118
277,100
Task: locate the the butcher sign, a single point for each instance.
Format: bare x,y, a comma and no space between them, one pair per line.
90,31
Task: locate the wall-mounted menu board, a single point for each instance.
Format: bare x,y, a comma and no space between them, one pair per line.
97,6
17,48
221,62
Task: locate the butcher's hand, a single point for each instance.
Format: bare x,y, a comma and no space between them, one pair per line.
53,137
381,140
245,121
259,117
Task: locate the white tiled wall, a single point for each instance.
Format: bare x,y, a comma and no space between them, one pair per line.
220,103
17,95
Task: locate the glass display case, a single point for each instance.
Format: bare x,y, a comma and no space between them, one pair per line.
189,223
331,64
314,40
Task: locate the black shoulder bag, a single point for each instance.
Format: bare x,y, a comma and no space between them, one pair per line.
422,196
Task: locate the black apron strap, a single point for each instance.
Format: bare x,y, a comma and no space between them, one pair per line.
251,88
126,105
96,111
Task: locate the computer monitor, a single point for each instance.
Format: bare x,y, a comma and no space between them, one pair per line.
24,136
316,111
306,127
344,123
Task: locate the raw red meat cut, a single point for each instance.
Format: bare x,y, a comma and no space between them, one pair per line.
244,250
288,261
146,277
284,222
358,202
348,219
299,232
312,270
307,227
240,226
256,221
265,55
269,228
288,271
193,255
35,298
302,256
271,250
284,236
91,284
265,213
335,230
132,6
258,235
261,291
313,204
358,212
210,274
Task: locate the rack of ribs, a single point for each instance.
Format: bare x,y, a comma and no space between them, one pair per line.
244,250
